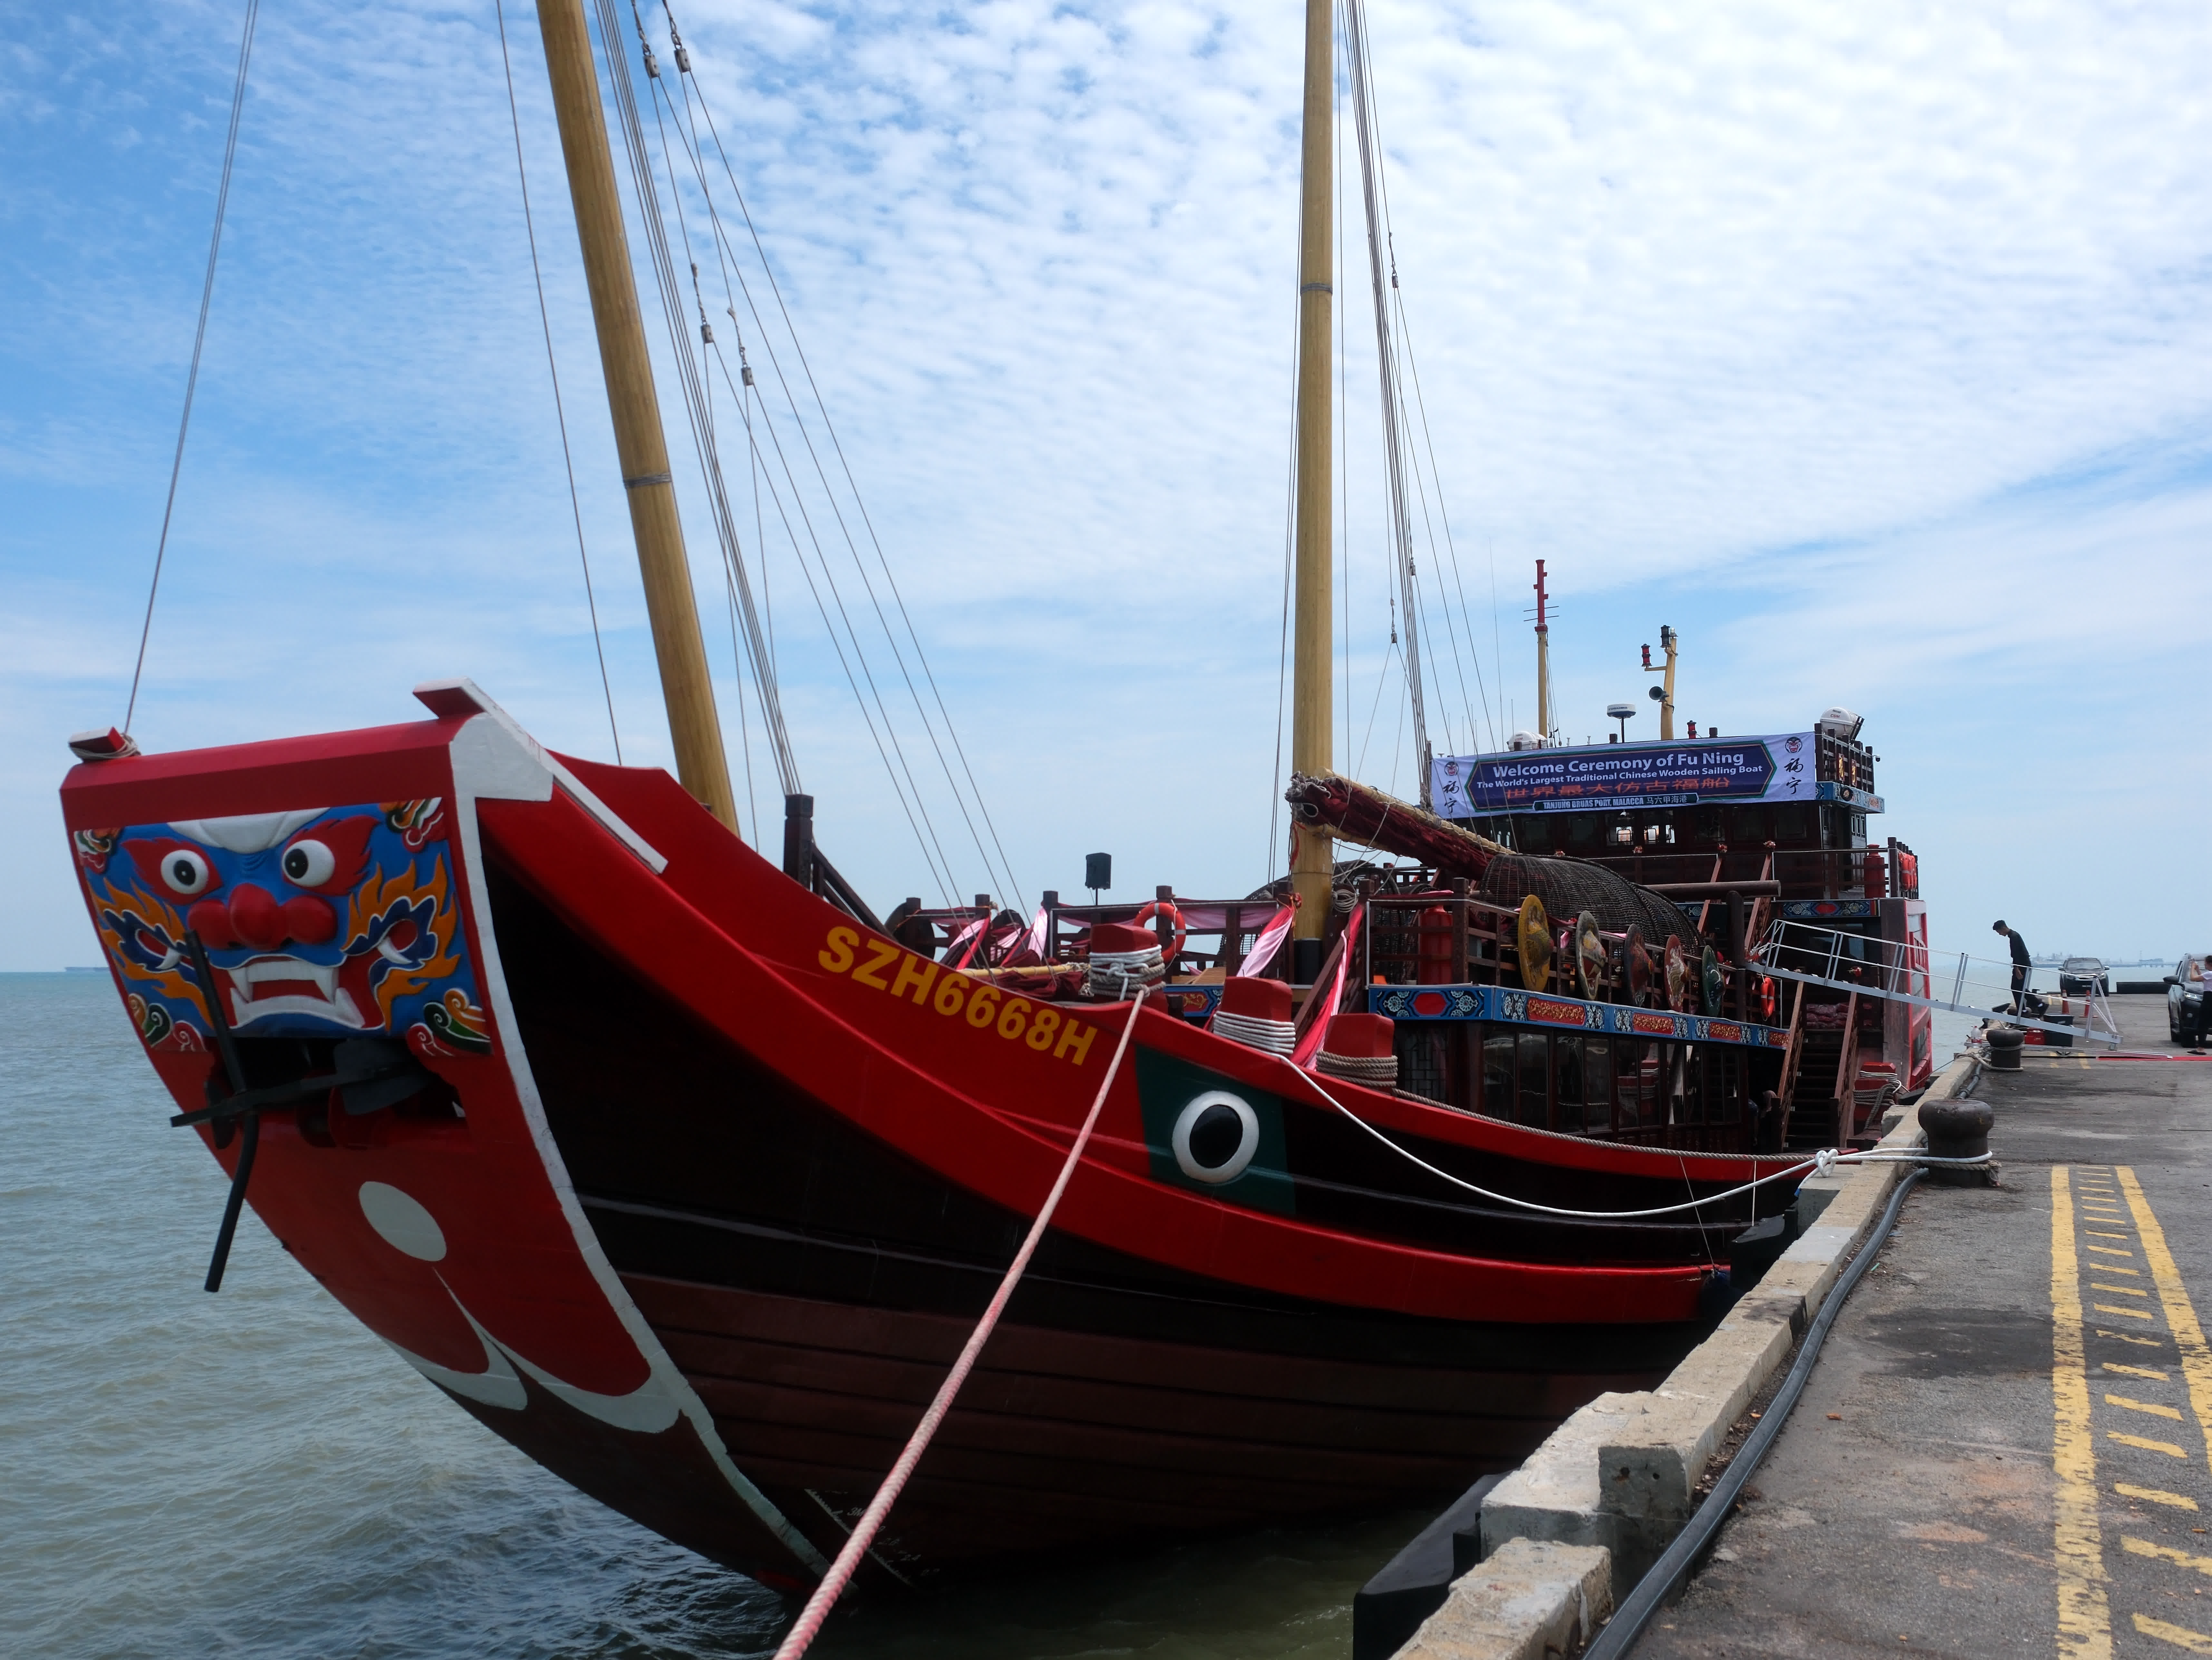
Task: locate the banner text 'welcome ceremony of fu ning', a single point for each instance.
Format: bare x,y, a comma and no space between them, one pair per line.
1625,775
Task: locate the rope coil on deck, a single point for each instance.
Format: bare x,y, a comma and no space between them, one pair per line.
1253,1031
1379,1071
1115,974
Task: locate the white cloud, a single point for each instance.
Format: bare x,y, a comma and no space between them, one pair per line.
1865,343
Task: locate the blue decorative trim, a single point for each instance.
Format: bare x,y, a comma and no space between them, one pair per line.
1859,801
1510,1006
1825,910
1195,1003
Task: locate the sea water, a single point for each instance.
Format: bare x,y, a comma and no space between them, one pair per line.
254,1473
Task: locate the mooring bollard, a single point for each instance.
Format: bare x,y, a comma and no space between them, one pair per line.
2004,1047
1959,1129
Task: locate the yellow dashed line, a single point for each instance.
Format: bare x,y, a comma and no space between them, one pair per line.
2166,1447
2140,1342
2155,1495
2085,1626
2121,1291
2173,1413
2180,1315
2180,1636
2098,1233
2132,1313
2166,1553
2110,1250
2138,1371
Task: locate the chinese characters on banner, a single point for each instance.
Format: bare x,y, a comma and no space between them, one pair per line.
1625,775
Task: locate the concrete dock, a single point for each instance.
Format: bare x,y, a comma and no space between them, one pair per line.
2006,1448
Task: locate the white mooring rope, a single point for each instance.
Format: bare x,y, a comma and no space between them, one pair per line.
1821,1163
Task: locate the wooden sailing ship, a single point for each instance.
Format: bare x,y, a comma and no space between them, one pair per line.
687,1175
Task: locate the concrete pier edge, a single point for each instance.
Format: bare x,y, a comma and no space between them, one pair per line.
1619,1477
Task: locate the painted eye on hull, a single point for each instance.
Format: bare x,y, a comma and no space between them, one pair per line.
186,872
308,863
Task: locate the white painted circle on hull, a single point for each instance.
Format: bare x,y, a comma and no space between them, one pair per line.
402,1223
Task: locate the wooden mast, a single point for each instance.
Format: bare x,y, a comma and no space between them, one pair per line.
694,726
1311,712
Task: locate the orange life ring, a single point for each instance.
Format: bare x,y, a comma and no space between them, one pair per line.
1153,908
1766,999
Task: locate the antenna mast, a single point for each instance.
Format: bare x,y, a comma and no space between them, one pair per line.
1543,661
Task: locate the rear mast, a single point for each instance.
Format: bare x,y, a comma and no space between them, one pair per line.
694,726
1312,864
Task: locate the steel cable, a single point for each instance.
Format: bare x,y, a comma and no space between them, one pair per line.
199,340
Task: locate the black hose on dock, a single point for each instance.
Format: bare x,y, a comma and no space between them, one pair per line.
1651,1591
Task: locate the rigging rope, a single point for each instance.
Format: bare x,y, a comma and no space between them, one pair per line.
1401,530
687,367
544,322
803,1631
199,339
999,867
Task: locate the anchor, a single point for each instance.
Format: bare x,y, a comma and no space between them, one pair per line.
368,1078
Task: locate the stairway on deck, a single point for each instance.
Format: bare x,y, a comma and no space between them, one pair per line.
1813,1116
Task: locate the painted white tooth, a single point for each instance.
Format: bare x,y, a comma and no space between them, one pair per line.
389,952
326,978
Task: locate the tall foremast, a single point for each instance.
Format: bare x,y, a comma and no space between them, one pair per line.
1311,694
694,726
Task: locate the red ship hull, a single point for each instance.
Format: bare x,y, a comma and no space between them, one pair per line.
701,1185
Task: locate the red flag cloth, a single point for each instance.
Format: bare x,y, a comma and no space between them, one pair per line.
1317,1028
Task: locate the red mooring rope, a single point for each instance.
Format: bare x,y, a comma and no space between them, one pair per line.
809,1623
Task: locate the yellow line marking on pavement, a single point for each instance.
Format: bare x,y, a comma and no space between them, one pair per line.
2140,1342
2180,1315
2085,1623
2173,1413
2156,1495
2138,1371
2110,1250
2119,1291
2132,1313
2099,1234
2180,1636
2114,1267
2166,1553
2166,1447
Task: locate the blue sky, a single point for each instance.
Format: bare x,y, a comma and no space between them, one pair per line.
1867,347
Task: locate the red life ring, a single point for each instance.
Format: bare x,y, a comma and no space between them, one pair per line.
1153,908
1766,999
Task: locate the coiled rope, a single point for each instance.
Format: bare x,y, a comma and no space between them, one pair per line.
1113,973
809,1623
1821,1164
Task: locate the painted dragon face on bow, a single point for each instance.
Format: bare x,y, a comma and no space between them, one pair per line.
320,922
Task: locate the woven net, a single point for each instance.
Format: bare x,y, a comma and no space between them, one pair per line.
1571,886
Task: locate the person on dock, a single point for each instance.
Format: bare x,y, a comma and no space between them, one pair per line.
2020,965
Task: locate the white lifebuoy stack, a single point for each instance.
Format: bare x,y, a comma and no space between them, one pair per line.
1256,1013
1361,1047
1123,961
